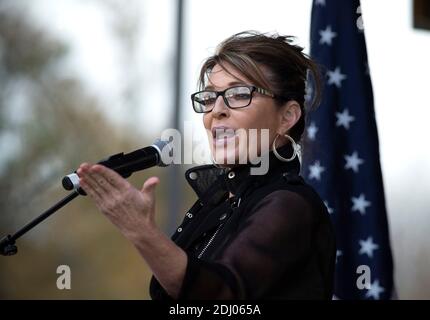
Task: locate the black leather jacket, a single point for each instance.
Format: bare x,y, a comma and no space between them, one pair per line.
272,240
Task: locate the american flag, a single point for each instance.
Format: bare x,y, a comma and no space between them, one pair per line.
341,155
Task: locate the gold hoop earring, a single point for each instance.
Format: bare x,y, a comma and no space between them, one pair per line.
293,144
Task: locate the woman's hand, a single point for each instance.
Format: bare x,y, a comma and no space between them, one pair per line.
130,209
133,212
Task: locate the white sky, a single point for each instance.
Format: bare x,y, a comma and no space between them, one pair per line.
398,58
397,55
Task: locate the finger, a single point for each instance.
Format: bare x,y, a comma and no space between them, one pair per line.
86,181
110,176
150,184
93,193
148,190
83,168
92,182
101,181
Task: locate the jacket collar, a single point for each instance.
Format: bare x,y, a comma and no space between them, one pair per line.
212,184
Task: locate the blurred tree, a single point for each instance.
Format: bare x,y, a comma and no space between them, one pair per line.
124,23
48,125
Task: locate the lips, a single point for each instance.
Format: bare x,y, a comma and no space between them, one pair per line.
222,133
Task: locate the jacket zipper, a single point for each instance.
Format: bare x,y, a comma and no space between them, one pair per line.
210,241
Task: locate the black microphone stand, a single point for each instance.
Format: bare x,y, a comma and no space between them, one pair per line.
123,164
7,244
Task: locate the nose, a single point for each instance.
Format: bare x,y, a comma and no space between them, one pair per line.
220,109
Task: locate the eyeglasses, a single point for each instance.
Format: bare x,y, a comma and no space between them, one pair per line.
234,97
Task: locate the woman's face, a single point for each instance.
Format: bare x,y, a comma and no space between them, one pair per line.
230,137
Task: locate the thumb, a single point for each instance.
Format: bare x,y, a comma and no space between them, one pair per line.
149,186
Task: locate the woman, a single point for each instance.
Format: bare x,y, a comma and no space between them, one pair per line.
247,236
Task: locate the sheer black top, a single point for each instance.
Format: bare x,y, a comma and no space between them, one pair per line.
272,240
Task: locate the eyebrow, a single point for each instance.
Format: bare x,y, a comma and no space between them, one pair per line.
233,83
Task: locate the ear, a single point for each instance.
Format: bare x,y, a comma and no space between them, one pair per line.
289,114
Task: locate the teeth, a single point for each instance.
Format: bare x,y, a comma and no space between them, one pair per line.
224,133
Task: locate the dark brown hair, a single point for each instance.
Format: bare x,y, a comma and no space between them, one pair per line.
272,62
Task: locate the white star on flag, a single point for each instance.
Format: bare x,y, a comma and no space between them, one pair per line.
315,171
375,290
367,247
343,119
312,131
336,77
320,2
308,93
353,161
360,204
338,254
327,36
330,210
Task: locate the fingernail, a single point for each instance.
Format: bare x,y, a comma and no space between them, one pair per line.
96,168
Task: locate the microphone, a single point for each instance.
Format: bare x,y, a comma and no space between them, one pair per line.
126,164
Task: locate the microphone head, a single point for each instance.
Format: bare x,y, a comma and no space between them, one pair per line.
165,152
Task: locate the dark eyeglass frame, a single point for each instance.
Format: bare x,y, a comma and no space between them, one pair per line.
222,93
